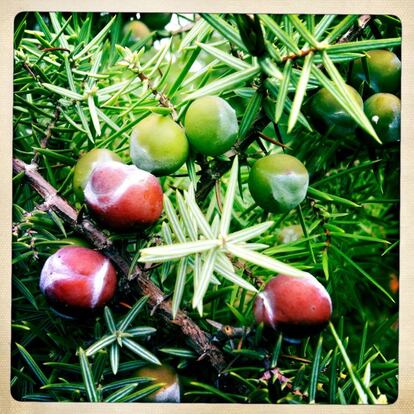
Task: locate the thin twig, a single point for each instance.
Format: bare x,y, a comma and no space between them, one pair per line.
182,29
300,54
218,196
187,27
273,141
354,31
198,339
53,49
48,133
349,36
51,125
162,98
30,70
209,174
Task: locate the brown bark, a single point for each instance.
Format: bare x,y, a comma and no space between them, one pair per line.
198,339
162,98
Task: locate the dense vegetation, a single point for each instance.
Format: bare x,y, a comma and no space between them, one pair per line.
84,81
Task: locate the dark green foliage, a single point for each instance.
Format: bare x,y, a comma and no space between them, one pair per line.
77,87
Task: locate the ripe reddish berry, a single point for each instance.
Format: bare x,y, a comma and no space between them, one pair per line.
78,277
122,196
296,306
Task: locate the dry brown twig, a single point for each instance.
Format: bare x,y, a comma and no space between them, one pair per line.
354,31
198,339
162,98
48,133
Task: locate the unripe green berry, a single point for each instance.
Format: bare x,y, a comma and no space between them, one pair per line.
329,115
278,182
384,71
211,125
158,145
384,112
